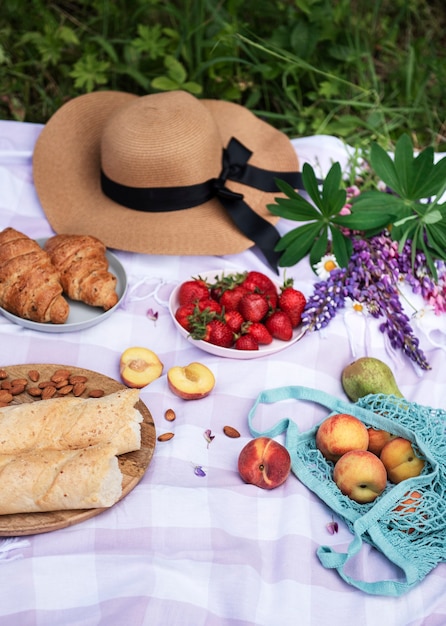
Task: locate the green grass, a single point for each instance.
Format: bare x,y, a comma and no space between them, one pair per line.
357,69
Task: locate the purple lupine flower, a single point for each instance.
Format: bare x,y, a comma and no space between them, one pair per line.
371,278
327,298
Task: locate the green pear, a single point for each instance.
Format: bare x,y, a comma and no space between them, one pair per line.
368,375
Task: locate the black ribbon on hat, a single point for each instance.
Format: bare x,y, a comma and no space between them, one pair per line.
235,167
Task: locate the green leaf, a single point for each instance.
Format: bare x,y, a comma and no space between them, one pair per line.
192,87
433,183
286,188
319,248
297,243
364,220
377,200
333,198
163,83
422,169
342,247
175,69
437,240
432,217
403,163
298,210
311,185
385,168
429,259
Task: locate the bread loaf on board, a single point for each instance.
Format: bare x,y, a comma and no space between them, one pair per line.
83,267
70,423
56,480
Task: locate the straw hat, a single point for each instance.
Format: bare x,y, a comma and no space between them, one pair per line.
163,173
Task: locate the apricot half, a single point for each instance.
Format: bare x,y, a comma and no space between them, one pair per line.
191,382
139,366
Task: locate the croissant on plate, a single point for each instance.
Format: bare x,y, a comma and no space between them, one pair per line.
29,283
83,268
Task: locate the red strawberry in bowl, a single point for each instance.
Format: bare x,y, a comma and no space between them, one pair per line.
246,342
230,299
193,290
292,302
279,325
253,307
259,282
259,331
215,331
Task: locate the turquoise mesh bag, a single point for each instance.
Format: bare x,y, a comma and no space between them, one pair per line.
414,541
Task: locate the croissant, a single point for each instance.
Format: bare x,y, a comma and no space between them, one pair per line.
83,269
29,284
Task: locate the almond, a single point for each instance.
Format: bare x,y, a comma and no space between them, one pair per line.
5,396
229,431
17,389
33,375
60,375
47,383
65,390
3,374
19,381
170,415
77,378
6,384
96,393
48,392
35,392
165,436
62,383
78,389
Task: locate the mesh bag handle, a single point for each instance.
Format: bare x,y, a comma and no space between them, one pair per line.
414,550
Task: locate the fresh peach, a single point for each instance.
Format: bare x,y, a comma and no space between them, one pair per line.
340,433
378,439
409,505
360,475
191,382
264,462
139,367
400,460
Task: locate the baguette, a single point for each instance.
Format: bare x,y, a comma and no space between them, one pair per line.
56,480
70,423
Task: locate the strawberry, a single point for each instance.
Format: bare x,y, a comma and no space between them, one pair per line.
292,302
259,331
279,325
259,282
192,290
183,315
213,331
225,283
230,299
209,305
253,307
233,319
246,342
219,334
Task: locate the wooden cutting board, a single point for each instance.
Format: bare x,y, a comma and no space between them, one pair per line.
133,464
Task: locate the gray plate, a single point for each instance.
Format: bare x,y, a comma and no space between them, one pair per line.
81,315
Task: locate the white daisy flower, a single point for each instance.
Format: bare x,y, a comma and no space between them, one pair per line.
326,265
355,306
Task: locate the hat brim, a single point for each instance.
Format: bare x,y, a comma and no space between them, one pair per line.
66,170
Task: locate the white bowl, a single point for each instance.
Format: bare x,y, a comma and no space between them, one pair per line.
231,353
